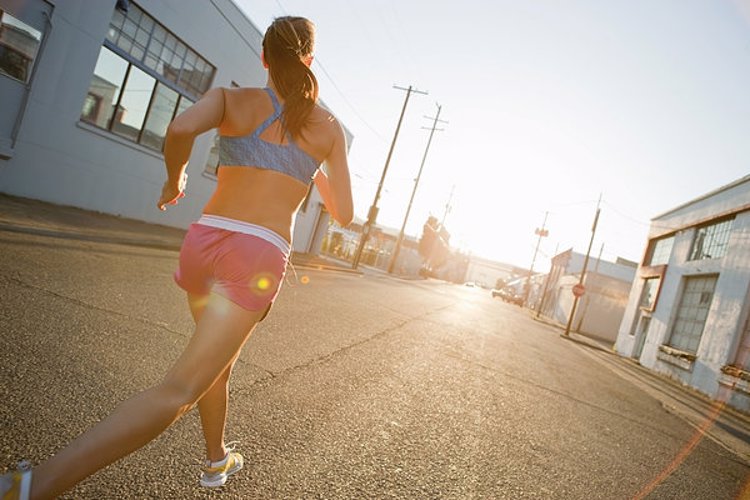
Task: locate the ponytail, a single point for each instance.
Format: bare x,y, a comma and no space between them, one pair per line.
287,42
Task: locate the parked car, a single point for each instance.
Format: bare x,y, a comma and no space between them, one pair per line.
508,295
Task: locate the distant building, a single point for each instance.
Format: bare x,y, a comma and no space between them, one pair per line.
601,308
88,89
486,273
687,314
342,243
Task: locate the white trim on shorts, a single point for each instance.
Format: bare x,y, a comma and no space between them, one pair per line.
239,226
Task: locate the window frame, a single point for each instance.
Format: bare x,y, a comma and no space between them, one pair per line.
116,104
154,95
211,169
652,244
111,121
169,36
31,69
131,61
671,339
650,273
729,221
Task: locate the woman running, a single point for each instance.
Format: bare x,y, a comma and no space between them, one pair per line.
232,261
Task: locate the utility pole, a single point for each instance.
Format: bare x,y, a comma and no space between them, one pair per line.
542,233
587,298
396,250
585,264
448,206
546,283
373,213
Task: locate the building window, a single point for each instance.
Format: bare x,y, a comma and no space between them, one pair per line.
212,164
144,77
649,293
131,110
105,86
92,106
19,44
692,312
661,250
711,241
160,114
151,45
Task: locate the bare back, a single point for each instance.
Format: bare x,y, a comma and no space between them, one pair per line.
259,196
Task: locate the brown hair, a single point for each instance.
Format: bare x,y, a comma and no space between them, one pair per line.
286,43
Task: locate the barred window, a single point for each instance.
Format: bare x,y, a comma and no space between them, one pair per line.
661,250
692,312
143,78
711,241
151,45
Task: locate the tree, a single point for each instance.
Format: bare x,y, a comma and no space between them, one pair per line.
432,246
429,237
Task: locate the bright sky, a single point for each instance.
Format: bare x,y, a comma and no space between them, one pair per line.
549,103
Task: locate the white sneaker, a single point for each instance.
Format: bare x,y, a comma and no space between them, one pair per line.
216,473
16,485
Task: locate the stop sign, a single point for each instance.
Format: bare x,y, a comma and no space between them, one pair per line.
578,290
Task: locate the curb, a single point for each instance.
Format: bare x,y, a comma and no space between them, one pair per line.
591,344
143,243
69,235
323,267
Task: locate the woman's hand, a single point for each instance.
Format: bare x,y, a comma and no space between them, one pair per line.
170,193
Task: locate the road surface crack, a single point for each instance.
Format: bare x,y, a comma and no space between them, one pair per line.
324,358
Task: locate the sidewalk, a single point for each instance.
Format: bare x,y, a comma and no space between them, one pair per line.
23,215
712,418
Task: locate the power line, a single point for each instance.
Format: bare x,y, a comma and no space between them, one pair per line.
400,239
373,213
640,222
319,63
351,106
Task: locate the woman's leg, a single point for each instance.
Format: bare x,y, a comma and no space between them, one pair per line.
213,404
213,410
219,335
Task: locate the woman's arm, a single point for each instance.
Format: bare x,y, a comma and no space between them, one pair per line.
202,116
334,185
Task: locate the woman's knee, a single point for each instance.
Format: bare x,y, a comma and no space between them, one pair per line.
182,395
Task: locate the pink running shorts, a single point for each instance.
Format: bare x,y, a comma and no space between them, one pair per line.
244,268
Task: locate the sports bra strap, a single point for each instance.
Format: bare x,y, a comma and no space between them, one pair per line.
274,100
277,109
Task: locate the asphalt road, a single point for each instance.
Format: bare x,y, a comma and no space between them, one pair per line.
354,387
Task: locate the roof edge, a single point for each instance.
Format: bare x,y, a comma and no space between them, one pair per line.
716,191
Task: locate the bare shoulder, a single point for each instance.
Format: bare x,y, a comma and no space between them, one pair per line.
324,121
244,108
239,96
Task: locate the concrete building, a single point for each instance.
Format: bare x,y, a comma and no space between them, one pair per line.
600,310
687,314
486,273
87,89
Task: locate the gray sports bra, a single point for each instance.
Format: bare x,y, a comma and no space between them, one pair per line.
252,151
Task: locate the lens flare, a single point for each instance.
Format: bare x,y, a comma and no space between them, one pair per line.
304,280
263,284
219,302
